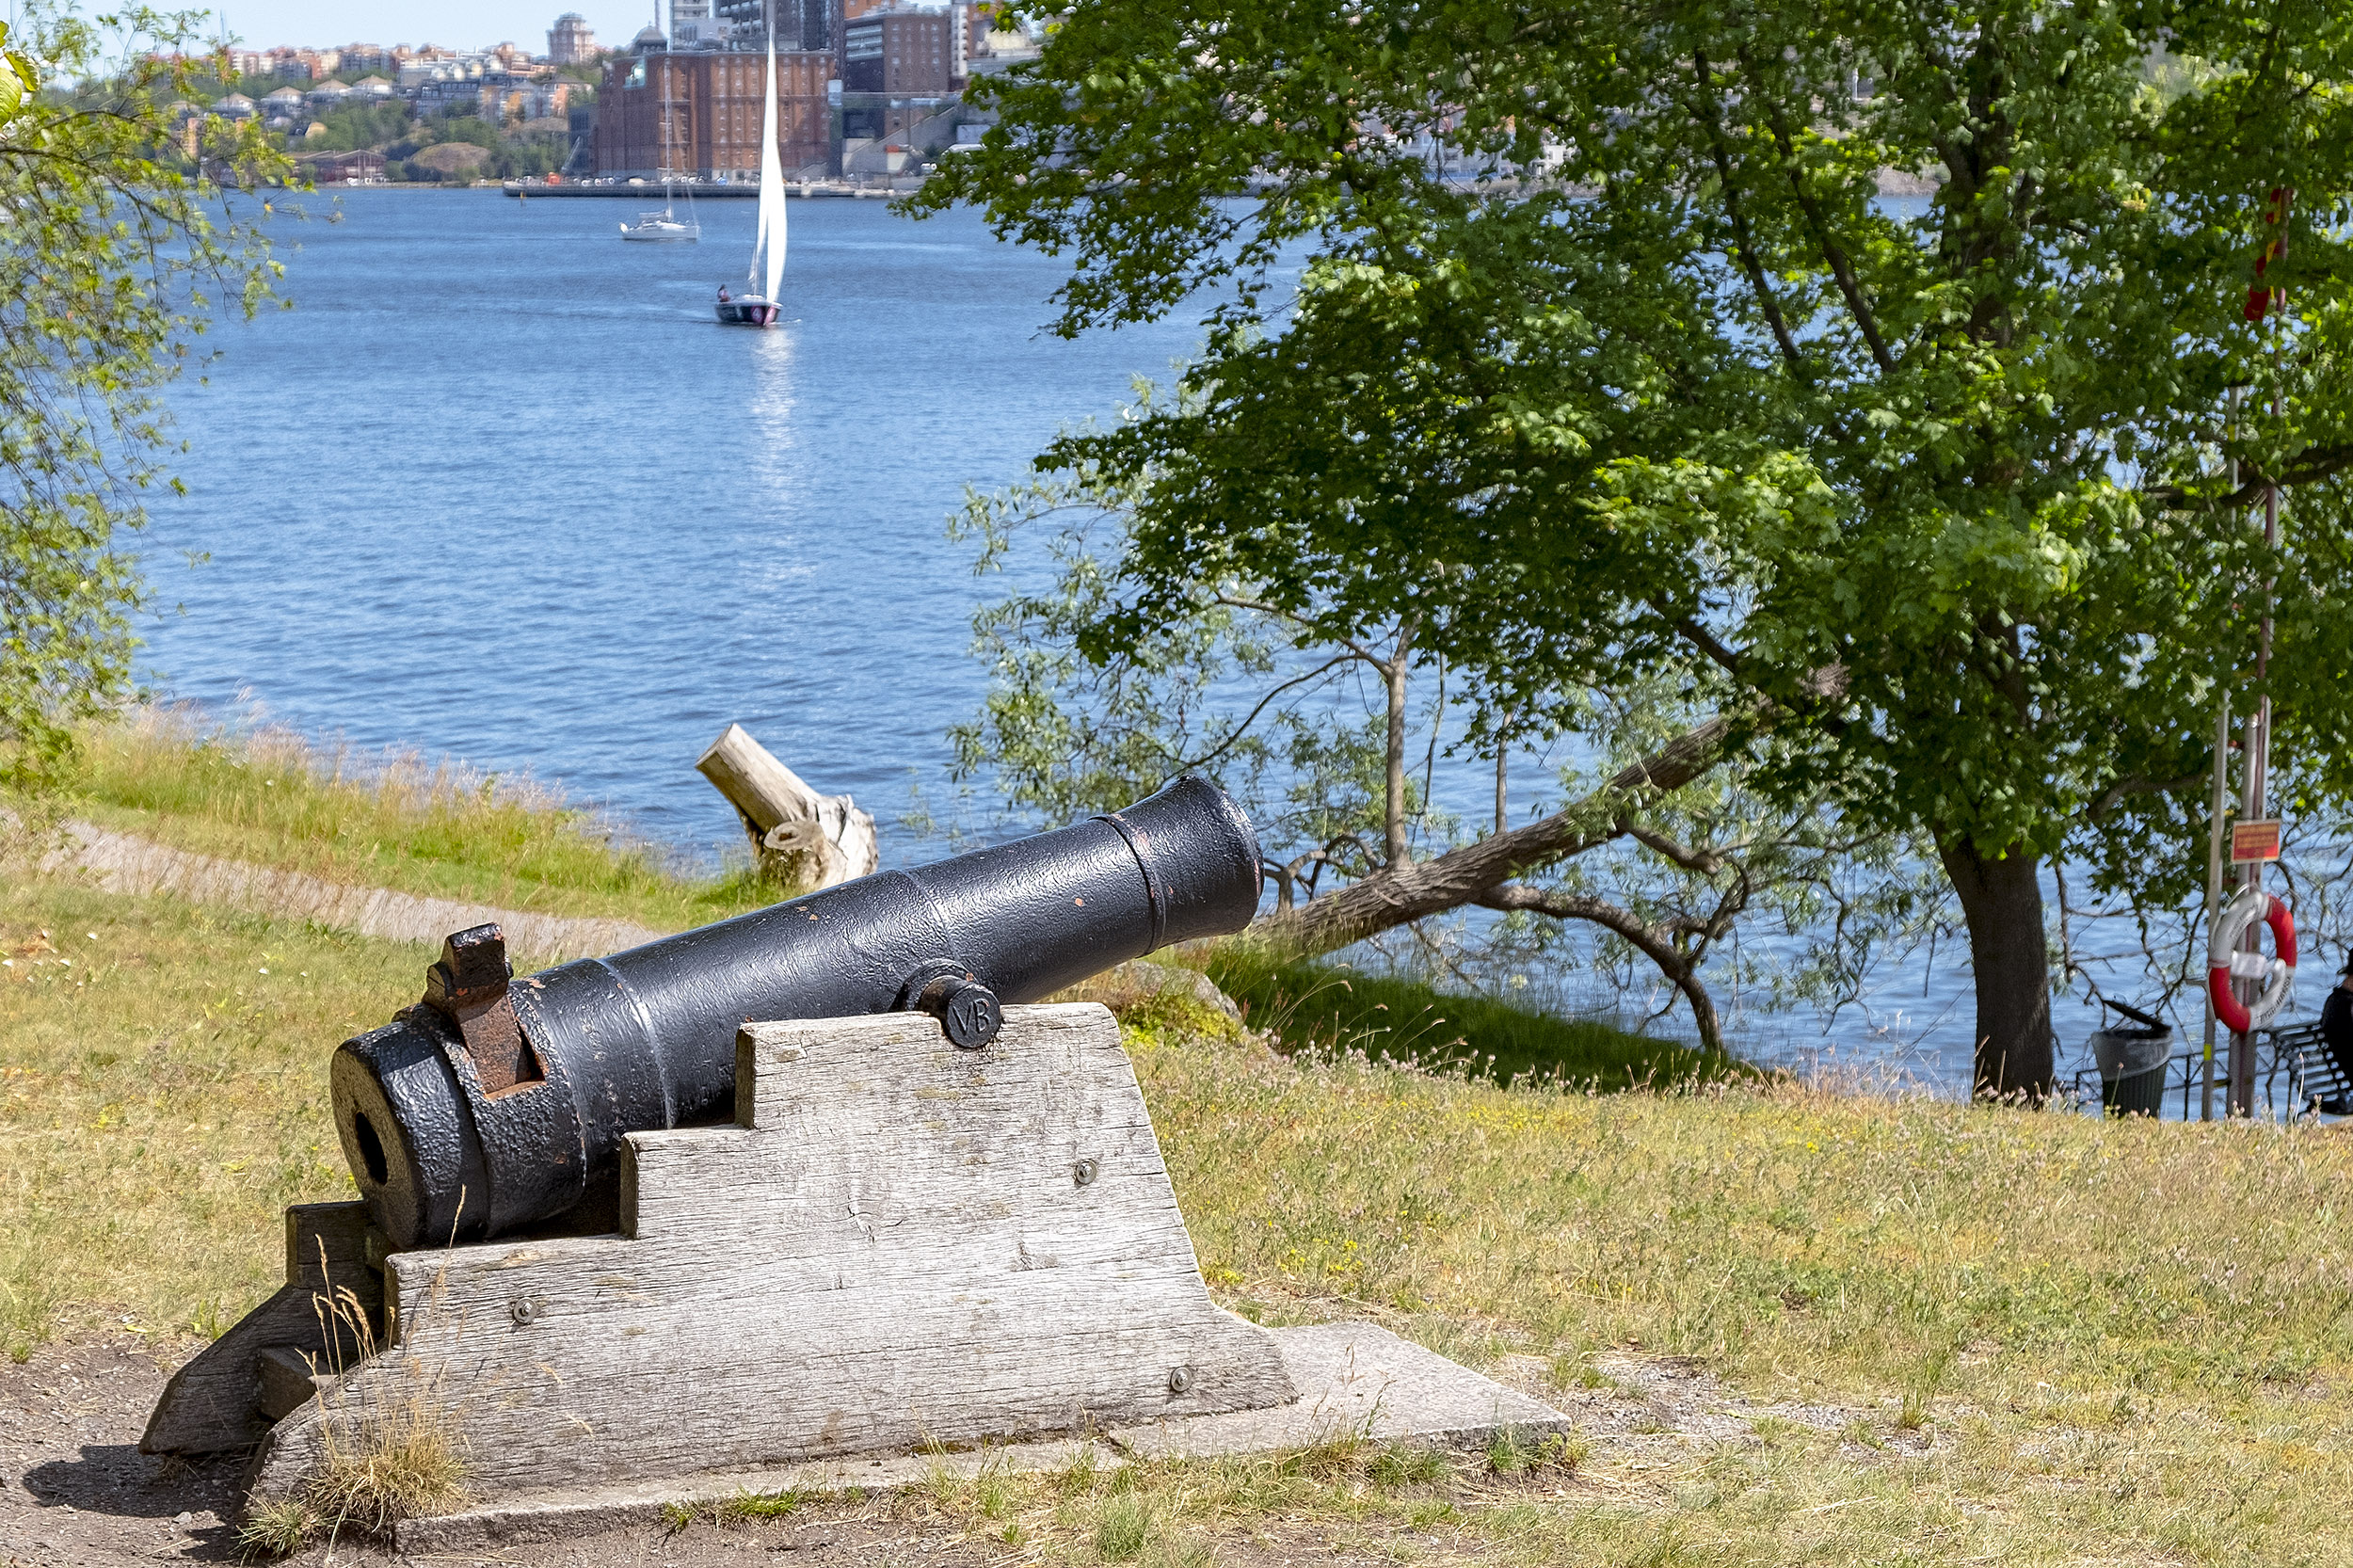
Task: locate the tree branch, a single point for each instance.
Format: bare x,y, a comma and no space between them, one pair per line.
1743,245
1832,251
2136,786
1653,943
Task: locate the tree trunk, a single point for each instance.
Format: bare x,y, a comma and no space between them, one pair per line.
799,837
2002,900
1393,805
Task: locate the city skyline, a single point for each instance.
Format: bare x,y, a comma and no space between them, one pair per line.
451,23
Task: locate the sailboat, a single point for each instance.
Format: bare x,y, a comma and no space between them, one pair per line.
666,225
663,225
760,307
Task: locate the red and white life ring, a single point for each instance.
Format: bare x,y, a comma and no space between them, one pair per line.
2226,963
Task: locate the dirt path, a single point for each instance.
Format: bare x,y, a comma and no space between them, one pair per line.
76,1492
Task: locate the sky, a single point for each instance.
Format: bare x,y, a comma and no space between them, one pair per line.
453,23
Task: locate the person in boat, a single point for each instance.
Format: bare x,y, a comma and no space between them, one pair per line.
722,294
2336,1032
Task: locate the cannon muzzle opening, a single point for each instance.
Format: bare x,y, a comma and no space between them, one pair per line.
498,1104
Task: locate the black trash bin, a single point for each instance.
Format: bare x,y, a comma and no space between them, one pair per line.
2131,1067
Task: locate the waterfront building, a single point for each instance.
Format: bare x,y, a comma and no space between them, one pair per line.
904,50
235,106
691,25
344,168
697,115
373,86
570,41
330,94
285,101
811,26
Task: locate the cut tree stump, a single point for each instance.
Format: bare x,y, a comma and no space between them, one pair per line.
898,1244
799,837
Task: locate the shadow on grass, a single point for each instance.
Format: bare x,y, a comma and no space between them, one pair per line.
1325,1009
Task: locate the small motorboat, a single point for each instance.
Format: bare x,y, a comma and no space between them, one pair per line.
661,226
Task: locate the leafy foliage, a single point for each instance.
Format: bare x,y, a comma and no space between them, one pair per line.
1086,713
117,252
1942,491
357,124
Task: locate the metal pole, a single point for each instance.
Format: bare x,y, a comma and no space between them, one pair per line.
2259,721
2214,871
2252,799
2216,865
2257,802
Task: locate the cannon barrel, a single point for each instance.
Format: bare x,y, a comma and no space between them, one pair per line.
494,1106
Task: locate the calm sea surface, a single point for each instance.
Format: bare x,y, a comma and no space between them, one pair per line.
498,488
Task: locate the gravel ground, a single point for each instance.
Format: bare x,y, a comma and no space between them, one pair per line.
76,1492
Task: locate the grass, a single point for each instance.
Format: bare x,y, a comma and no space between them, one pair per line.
1943,1334
1326,1009
380,1466
389,819
163,1097
384,1456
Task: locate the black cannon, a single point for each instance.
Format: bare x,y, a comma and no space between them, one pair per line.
500,1104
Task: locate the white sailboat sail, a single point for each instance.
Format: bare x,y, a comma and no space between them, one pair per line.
770,246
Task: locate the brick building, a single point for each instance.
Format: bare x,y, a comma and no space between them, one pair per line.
707,104
903,51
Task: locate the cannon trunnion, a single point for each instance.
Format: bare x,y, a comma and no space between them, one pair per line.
498,1105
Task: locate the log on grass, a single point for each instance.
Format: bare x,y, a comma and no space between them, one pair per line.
801,838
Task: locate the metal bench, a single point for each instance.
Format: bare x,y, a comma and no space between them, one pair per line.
2315,1079
2295,1052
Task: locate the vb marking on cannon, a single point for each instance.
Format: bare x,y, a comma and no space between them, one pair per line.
825,1180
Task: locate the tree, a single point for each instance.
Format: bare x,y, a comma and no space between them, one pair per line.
1336,751
1935,501
115,254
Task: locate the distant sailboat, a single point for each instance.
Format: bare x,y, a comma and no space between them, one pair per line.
666,225
760,308
663,225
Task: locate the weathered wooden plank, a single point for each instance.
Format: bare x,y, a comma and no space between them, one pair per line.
287,1378
900,1242
210,1405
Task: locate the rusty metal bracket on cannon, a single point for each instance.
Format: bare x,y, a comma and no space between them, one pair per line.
469,988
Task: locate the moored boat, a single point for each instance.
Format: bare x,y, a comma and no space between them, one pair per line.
661,227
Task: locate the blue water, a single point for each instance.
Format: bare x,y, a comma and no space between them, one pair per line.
498,487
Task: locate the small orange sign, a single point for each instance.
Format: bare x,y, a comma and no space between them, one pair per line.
2254,840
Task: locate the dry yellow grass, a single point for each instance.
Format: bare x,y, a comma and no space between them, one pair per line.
2041,1338
163,1095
